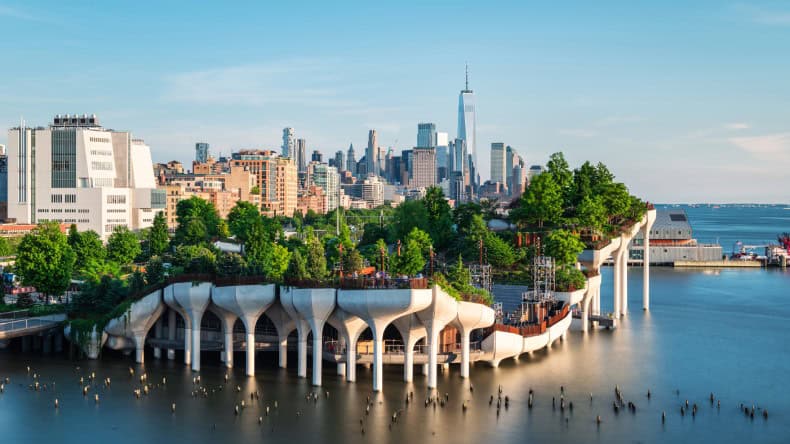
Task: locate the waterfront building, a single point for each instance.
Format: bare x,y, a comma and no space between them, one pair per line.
424,168
77,172
289,142
671,239
372,153
467,126
201,152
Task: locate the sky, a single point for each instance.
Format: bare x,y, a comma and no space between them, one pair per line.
685,101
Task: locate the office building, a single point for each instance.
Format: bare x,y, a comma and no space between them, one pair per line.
467,125
372,153
301,155
317,156
326,177
498,163
426,135
424,168
340,162
77,172
351,160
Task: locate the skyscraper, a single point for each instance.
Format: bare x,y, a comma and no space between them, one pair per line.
317,156
351,160
201,152
301,156
499,171
466,122
426,135
424,167
288,142
372,153
442,170
327,178
340,161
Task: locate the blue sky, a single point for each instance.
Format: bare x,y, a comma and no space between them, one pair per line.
685,101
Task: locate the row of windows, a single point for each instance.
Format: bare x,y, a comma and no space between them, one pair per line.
116,199
101,153
60,198
100,139
117,210
116,220
111,227
102,166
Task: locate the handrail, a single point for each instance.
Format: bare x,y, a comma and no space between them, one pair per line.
14,313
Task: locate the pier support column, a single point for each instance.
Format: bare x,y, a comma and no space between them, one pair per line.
351,359
378,358
646,268
139,348
47,344
171,333
283,351
425,370
158,335
187,343
249,328
624,283
617,285
433,352
58,342
318,350
408,363
301,347
341,368
465,354
196,318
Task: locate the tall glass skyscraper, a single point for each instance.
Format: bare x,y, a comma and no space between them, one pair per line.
466,120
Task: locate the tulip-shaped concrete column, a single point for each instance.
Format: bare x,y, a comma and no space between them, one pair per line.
193,298
248,302
624,281
302,330
137,321
471,316
314,305
435,317
349,327
171,332
170,301
650,218
158,335
411,330
285,325
228,319
378,308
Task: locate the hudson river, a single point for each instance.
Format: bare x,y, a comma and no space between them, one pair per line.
723,332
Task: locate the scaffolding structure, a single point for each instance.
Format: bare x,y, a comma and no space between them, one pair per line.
481,276
542,280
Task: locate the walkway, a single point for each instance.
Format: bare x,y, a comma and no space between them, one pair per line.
17,324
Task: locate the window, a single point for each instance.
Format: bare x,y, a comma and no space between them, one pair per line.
116,199
102,166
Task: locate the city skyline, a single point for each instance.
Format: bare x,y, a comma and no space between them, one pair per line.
650,90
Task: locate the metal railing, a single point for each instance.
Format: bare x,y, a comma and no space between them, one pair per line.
395,347
16,314
23,324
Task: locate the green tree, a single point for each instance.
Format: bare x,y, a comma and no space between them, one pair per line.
353,262
563,246
241,219
591,213
88,251
542,203
558,168
158,238
297,267
316,258
154,270
45,260
422,238
190,210
459,275
408,215
410,262
499,252
195,259
122,246
440,219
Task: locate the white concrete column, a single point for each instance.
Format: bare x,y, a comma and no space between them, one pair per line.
196,341
646,269
301,356
465,354
139,347
408,362
283,351
158,335
378,358
341,369
616,285
351,360
425,370
624,283
171,332
318,350
187,343
433,352
228,353
249,327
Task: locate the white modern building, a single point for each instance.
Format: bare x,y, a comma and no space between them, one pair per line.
326,177
77,172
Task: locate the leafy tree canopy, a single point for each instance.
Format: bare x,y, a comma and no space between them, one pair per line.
45,260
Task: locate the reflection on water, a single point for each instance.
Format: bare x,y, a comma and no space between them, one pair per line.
723,332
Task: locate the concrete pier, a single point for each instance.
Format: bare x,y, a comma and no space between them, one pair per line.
442,311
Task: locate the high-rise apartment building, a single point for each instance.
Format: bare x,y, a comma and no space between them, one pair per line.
424,168
276,179
499,171
289,142
301,155
426,135
76,172
3,184
467,127
201,152
372,153
326,177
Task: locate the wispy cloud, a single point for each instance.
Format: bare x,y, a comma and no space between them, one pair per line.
306,82
769,147
735,126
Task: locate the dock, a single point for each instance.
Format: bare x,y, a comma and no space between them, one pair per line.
718,264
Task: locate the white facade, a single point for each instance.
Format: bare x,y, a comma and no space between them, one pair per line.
327,177
76,172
